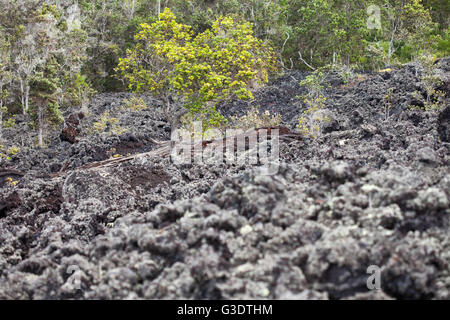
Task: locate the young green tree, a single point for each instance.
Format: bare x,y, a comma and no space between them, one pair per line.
43,30
33,29
393,12
5,74
80,91
72,55
314,116
191,73
268,17
44,93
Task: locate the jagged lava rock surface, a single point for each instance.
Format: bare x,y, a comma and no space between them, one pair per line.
371,190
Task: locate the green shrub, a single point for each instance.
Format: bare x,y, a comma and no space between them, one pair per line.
10,123
434,99
313,119
7,153
107,122
191,73
135,104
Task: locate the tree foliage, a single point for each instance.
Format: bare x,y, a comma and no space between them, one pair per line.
44,93
207,58
196,71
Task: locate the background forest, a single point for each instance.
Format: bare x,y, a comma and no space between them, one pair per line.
310,157
57,54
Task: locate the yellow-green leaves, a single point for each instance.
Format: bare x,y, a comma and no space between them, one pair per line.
201,70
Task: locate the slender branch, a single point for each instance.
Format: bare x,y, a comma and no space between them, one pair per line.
306,63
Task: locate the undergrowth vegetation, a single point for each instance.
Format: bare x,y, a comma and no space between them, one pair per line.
434,98
8,152
134,104
108,124
191,73
315,115
191,55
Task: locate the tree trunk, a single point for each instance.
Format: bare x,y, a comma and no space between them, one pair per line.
391,48
84,107
173,113
169,115
176,120
22,96
41,123
27,96
159,9
390,52
391,40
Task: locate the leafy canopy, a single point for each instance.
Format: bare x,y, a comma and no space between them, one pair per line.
197,71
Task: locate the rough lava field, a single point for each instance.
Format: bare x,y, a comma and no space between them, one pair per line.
371,190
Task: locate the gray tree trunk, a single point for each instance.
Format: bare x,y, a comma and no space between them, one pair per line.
159,8
27,96
173,112
41,124
22,96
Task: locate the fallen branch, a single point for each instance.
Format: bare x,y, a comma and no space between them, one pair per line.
161,152
306,63
9,172
285,135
